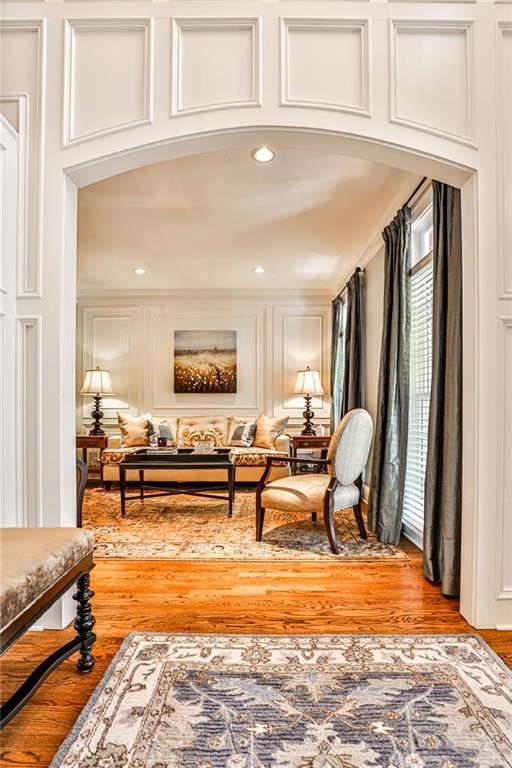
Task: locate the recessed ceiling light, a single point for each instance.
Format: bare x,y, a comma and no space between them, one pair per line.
263,155
140,271
258,270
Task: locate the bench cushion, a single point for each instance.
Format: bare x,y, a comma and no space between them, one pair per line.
32,561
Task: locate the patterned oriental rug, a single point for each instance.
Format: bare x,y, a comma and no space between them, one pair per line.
347,701
192,528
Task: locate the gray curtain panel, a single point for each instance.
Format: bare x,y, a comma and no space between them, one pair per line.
385,504
336,359
354,379
443,487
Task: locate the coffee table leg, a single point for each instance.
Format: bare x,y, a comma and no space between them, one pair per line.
141,483
122,489
231,488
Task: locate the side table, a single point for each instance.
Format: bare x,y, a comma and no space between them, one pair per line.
84,442
315,442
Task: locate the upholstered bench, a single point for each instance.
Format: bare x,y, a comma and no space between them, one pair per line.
38,565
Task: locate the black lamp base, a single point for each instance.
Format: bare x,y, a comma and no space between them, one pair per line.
308,415
97,415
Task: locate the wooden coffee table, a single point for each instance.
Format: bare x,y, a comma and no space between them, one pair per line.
184,458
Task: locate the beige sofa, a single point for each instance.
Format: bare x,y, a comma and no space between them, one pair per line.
181,428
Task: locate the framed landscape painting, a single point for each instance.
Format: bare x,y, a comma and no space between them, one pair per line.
204,361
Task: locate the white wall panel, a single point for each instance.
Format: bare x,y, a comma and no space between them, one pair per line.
432,77
22,74
505,155
324,63
216,64
108,83
249,324
505,476
29,433
301,338
111,339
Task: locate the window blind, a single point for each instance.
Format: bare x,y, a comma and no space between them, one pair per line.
419,404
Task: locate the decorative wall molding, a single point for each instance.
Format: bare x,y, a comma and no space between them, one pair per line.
91,105
111,338
504,157
300,337
250,325
135,341
209,89
29,387
504,392
408,66
29,99
327,79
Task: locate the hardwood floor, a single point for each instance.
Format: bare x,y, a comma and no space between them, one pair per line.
226,597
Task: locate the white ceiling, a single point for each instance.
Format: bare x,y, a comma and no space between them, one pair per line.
203,222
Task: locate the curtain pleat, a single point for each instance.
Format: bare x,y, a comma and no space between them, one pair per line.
354,379
385,504
443,485
336,358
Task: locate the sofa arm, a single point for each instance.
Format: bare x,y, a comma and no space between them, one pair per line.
114,441
283,444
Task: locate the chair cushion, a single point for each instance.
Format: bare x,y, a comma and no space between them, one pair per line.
33,560
296,493
305,493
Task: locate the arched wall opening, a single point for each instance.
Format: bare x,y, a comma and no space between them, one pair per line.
98,168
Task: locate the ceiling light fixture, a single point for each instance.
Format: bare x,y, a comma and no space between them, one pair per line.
263,155
258,270
140,271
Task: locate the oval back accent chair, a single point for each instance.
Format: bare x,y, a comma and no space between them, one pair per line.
340,488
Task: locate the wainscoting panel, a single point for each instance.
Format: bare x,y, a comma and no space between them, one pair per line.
117,53
324,64
505,155
301,337
425,92
22,45
28,417
111,340
216,64
505,479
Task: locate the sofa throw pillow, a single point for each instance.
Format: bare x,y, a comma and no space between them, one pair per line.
159,428
242,433
134,430
268,430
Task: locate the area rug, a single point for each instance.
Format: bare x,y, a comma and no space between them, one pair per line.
193,528
346,701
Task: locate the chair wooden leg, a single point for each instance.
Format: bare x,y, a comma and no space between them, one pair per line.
359,520
260,517
329,524
313,517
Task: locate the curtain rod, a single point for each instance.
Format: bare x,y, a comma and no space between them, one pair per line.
357,270
415,190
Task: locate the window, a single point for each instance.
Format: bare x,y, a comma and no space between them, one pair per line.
420,376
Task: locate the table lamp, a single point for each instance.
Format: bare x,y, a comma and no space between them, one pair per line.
97,383
308,384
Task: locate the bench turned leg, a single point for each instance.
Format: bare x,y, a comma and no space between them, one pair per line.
84,623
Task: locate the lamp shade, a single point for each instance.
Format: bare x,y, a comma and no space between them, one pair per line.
308,383
97,382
